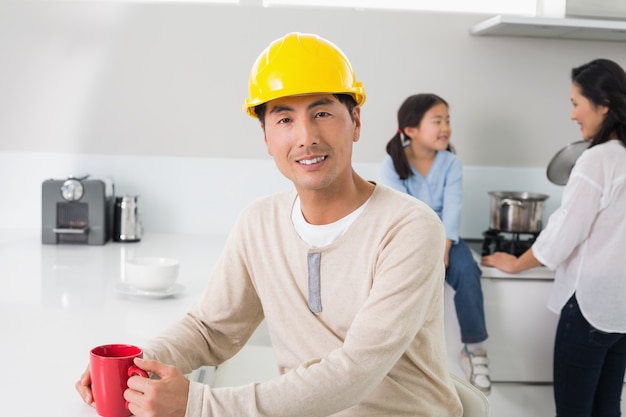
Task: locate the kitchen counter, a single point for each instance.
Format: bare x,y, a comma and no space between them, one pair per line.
536,273
521,328
539,273
59,301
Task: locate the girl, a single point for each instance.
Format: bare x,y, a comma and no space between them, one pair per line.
421,163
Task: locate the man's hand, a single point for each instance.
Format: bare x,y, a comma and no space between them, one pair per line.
164,397
83,386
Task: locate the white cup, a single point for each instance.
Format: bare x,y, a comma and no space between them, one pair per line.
151,273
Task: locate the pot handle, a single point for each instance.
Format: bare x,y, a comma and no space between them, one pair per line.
511,202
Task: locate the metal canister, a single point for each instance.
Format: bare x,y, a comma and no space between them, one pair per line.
126,220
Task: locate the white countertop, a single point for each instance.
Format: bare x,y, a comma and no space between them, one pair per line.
537,273
59,301
540,272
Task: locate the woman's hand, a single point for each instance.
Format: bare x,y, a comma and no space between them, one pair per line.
509,263
501,260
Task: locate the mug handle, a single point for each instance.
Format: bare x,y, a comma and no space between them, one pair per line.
132,371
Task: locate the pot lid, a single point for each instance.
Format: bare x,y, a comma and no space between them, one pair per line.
563,161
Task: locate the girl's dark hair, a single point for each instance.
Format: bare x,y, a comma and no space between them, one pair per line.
410,114
603,82
347,100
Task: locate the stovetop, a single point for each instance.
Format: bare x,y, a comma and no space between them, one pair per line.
513,243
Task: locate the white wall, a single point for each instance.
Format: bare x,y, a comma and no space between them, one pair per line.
151,95
169,79
205,195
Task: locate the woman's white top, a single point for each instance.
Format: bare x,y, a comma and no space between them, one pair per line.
585,239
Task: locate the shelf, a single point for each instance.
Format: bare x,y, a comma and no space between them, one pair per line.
548,27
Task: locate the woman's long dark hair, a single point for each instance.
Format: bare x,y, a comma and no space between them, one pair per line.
603,82
410,114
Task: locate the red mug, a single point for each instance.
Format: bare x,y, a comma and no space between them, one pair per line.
111,366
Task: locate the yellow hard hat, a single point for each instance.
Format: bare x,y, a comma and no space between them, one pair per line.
298,64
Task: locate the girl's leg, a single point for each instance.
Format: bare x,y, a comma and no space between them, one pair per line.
463,275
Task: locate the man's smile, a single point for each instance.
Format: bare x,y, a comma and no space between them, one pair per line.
312,161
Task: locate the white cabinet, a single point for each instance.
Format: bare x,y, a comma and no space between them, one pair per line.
521,329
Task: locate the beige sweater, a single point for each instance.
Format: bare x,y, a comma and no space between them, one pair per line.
376,349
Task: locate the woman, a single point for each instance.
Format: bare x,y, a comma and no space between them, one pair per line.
585,242
421,163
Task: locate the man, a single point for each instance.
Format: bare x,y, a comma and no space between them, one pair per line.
347,274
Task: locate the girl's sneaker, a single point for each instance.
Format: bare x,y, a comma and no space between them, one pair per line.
475,364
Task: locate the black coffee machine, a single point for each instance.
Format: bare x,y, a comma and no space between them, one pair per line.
77,210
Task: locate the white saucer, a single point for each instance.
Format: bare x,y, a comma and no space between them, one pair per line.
125,289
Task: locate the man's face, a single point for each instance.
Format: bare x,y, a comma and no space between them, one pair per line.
310,138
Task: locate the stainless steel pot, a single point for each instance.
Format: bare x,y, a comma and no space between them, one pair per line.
517,212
